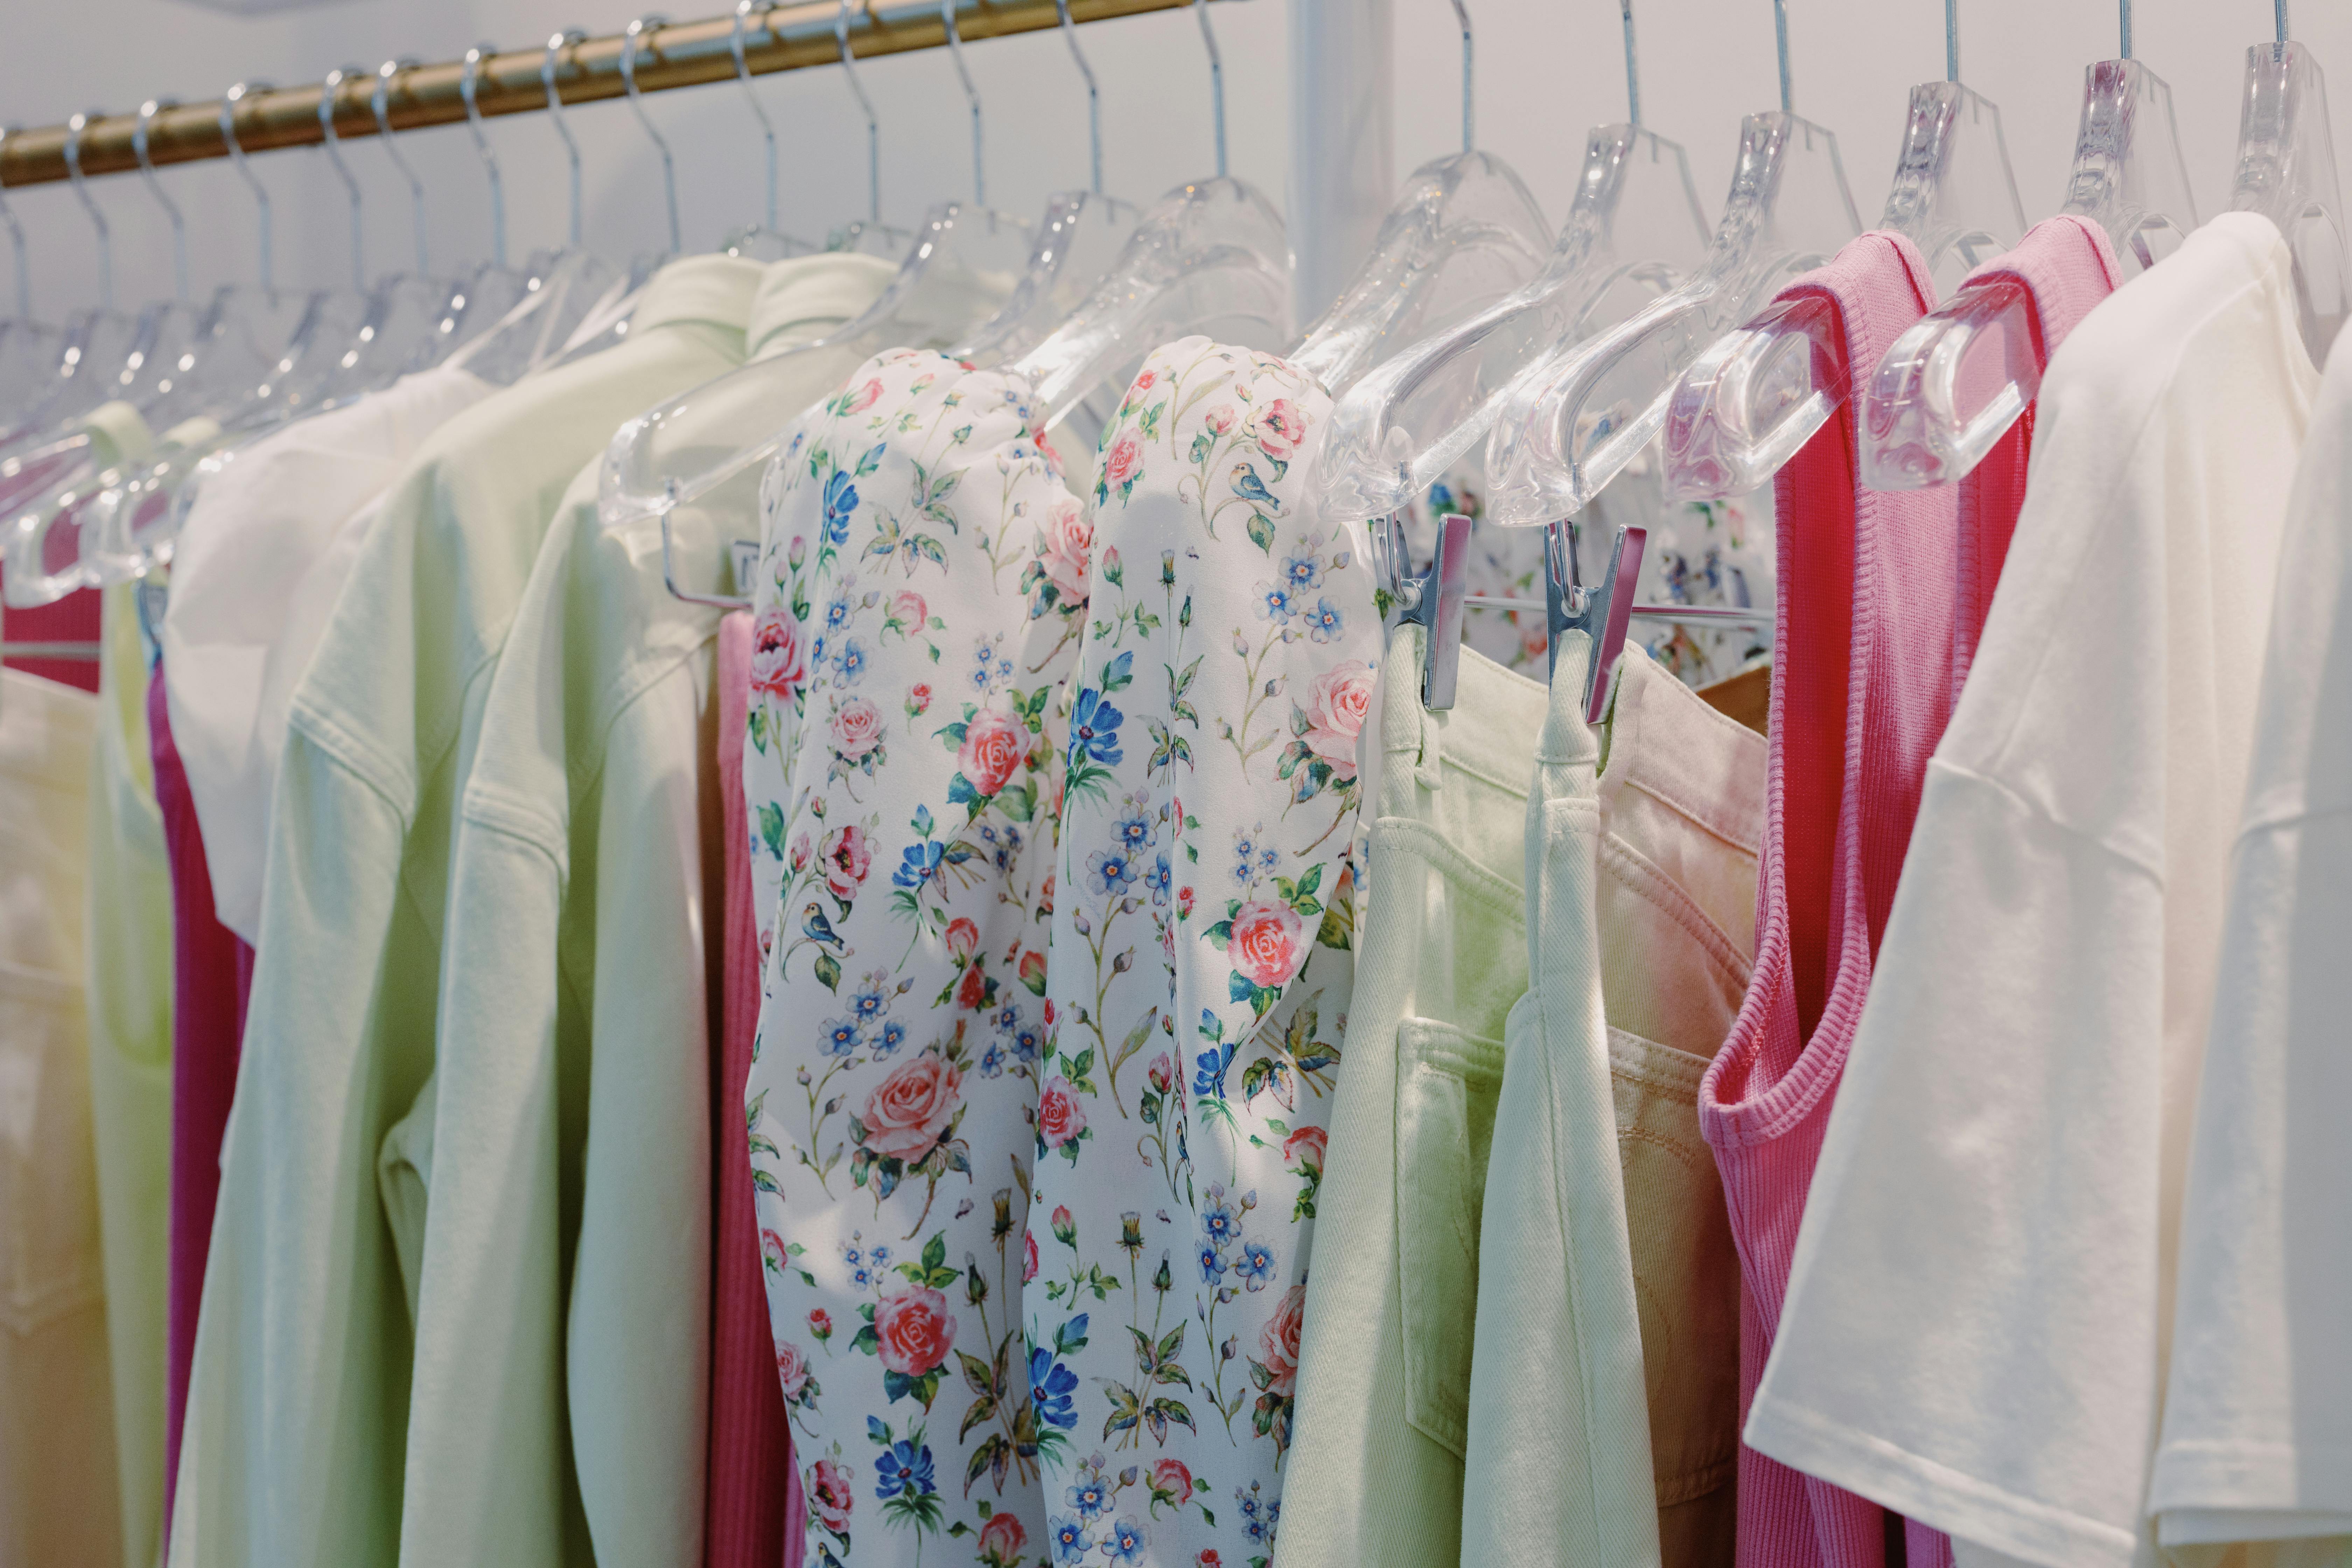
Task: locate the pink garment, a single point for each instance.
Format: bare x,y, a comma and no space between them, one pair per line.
754,1500
212,971
2067,266
1860,692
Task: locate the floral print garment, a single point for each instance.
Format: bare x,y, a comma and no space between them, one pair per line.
1202,965
918,608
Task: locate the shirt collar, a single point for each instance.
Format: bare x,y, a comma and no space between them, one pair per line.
716,289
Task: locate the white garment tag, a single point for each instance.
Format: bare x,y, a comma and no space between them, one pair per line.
745,554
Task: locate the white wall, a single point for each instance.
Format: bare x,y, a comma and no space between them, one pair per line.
1548,68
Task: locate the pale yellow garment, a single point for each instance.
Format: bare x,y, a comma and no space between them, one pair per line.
58,1507
129,966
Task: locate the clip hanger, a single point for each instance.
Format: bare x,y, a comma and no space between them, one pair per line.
1434,603
1601,614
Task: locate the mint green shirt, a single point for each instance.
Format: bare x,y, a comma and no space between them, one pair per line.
298,1405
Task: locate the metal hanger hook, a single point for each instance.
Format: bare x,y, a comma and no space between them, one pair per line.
16,243
74,129
1952,41
230,101
631,42
2123,8
873,126
1469,139
557,43
1633,73
971,96
743,74
379,100
147,112
467,85
328,92
1780,37
1093,98
2282,20
1216,81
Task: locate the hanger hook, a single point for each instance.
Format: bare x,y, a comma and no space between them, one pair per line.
1633,75
2282,21
1094,99
469,85
230,101
971,96
873,126
147,112
1781,36
328,92
557,43
16,242
630,43
743,74
2123,8
1952,41
379,101
1469,139
1216,81
74,129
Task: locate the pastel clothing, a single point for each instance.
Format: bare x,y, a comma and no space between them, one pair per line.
1386,1403
58,1501
1861,688
1998,1193
298,1401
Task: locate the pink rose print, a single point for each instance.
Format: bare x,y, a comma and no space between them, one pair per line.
848,854
1336,708
1045,895
1002,1538
963,937
857,728
771,1249
1277,1342
1264,945
1066,1229
1278,428
1304,1147
1146,382
1065,544
1060,1118
1184,903
779,654
864,398
907,608
919,698
912,1323
1033,972
792,1371
1122,462
994,743
820,1323
800,853
831,1495
973,989
1171,1481
1029,1259
1162,1074
1221,418
1208,1559
910,1110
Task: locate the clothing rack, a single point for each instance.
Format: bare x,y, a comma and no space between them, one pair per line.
683,54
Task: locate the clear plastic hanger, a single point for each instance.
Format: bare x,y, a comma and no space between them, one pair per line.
2286,172
1758,393
1574,422
29,347
631,40
868,236
1953,383
487,291
1465,232
760,241
1634,221
95,341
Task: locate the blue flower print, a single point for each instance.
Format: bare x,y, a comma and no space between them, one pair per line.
1026,1041
1108,871
849,664
836,614
904,1468
1052,1389
1125,1542
919,864
1324,624
1256,1265
1302,570
867,1001
1007,1018
1132,833
841,1037
1089,1497
893,1035
992,1062
1070,1542
1274,603
1209,1077
1221,1222
1158,879
1094,730
1212,1263
840,500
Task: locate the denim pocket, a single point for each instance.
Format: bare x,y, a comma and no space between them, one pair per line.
1447,1082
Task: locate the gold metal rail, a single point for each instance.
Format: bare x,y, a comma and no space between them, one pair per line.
686,54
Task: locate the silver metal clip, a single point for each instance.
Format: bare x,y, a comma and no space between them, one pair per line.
1601,614
1434,603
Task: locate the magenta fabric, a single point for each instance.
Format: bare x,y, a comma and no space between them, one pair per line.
212,971
2067,266
1860,692
754,1504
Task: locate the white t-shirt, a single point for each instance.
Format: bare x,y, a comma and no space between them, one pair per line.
255,576
1979,1306
2258,1419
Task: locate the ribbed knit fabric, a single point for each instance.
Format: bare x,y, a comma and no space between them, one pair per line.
2067,265
1860,692
211,973
754,1514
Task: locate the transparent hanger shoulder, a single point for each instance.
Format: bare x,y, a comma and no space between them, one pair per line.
1752,400
562,288
28,356
1079,241
74,383
1955,380
2286,172
961,273
1210,257
1465,232
1635,220
1574,422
